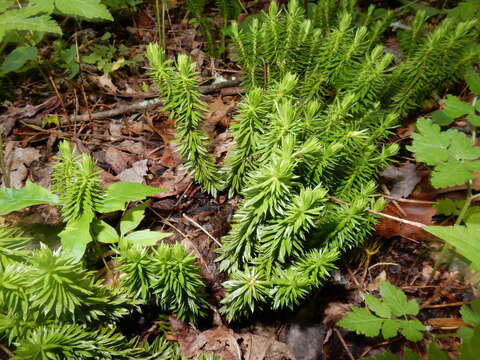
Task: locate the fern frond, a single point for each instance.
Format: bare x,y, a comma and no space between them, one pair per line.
247,291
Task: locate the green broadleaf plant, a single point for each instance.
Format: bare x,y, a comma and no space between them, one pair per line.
76,187
388,315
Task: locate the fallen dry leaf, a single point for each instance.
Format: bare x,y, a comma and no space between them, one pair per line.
404,178
421,213
118,160
174,180
446,323
136,173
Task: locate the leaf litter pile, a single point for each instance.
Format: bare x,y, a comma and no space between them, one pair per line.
110,110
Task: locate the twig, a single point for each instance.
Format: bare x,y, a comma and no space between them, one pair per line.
381,264
395,202
7,351
412,201
413,223
345,346
438,306
3,165
202,228
149,104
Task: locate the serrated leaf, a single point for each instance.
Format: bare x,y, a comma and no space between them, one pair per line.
377,306
362,322
88,9
31,194
449,151
396,300
441,118
104,233
465,239
132,218
412,329
453,173
449,207
145,237
390,328
76,236
454,107
26,19
117,194
17,58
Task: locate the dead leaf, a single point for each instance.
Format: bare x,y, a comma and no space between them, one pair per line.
174,180
105,82
136,173
217,111
223,341
170,157
421,213
118,160
375,284
404,179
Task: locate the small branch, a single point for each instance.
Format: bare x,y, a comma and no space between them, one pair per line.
3,163
149,104
344,344
7,351
202,228
408,222
411,201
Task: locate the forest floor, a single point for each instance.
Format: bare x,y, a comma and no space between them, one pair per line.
137,146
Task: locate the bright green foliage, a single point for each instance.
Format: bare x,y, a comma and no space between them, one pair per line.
32,19
452,153
388,315
109,58
465,239
471,315
167,274
79,191
178,84
16,199
455,108
130,220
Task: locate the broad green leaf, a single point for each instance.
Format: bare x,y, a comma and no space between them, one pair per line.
412,329
132,218
117,194
471,313
88,9
454,173
465,239
434,353
470,349
396,300
390,328
26,19
408,354
474,119
454,107
5,4
145,237
441,118
451,152
377,306
17,58
104,233
449,207
76,236
31,194
362,322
